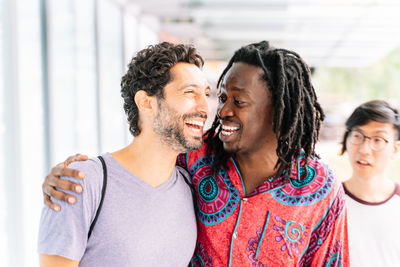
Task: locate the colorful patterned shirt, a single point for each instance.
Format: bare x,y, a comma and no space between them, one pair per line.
300,222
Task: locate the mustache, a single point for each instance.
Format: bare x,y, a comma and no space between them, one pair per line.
220,120
194,115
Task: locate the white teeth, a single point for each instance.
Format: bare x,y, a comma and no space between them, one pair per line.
194,122
196,130
226,133
363,162
229,128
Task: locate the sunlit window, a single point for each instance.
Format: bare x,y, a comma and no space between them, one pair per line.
3,241
113,119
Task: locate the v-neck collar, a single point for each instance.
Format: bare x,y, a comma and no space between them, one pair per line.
137,179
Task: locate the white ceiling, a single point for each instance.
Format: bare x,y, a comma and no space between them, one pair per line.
338,33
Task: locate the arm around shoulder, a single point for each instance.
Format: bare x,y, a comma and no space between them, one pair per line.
65,233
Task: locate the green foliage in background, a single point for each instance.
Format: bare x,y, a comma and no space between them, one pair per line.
379,81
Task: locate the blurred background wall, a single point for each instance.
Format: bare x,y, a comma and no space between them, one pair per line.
61,62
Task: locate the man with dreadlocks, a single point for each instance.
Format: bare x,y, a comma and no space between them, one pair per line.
263,196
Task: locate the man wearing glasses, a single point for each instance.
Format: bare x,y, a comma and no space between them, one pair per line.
373,200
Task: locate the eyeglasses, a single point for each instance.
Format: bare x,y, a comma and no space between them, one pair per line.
376,143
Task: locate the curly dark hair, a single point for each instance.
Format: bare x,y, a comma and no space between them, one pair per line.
149,70
374,110
297,113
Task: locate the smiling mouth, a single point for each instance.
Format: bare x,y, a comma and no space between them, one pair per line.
195,125
228,130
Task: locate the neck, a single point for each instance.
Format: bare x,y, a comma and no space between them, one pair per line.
148,158
256,167
371,189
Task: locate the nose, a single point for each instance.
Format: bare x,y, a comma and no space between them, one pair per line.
365,146
224,110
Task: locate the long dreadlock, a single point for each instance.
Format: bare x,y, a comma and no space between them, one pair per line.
297,113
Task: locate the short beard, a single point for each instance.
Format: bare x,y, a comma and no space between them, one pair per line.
232,150
168,124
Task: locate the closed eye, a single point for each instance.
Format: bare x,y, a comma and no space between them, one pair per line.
239,102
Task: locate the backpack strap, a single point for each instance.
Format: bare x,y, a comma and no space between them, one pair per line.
103,193
190,184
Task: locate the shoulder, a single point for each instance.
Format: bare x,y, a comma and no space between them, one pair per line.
336,184
181,171
186,160
92,166
313,168
316,182
333,188
93,170
70,240
181,160
322,170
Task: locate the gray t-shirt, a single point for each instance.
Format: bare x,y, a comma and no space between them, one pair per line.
138,225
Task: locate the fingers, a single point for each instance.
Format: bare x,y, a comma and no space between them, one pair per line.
50,184
60,195
50,204
77,157
51,191
60,170
53,181
69,186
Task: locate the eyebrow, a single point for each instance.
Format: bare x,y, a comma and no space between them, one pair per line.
237,89
193,85
381,131
375,132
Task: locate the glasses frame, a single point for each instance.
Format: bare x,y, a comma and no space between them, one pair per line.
366,137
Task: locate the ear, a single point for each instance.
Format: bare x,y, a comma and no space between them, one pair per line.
145,103
396,147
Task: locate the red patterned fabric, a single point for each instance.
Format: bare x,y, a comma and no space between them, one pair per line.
297,223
